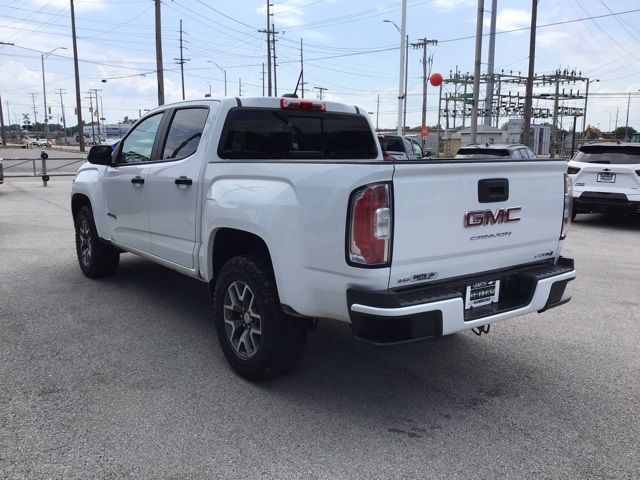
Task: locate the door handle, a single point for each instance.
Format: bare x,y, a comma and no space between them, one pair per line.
137,180
180,181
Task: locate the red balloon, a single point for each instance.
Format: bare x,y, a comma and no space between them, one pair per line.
435,79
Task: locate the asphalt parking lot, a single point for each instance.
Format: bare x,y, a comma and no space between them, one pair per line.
123,378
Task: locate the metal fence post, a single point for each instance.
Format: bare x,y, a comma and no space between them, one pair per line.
44,155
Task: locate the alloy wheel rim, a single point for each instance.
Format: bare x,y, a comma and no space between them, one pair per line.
84,235
242,319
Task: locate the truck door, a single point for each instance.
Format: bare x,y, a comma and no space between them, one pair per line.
125,188
173,186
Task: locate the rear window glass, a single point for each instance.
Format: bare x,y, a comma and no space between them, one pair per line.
614,155
260,133
483,152
391,144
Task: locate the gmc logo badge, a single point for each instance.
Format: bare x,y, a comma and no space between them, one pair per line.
476,218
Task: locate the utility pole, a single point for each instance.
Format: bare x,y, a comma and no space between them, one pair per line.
476,74
406,82
528,98
35,113
159,67
275,60
64,120
554,126
268,32
401,82
263,79
626,130
617,113
488,102
4,138
93,131
44,95
302,70
77,75
181,61
378,114
6,102
239,87
97,110
320,91
422,43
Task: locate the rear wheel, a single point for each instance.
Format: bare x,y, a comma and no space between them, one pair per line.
96,258
257,338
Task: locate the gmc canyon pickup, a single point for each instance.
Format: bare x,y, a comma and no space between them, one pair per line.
287,209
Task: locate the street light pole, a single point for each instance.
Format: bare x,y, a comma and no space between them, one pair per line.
44,92
404,68
225,75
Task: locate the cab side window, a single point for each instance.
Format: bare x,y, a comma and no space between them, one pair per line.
138,145
185,132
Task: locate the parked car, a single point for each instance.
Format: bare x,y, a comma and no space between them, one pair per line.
606,178
40,142
503,150
398,147
286,208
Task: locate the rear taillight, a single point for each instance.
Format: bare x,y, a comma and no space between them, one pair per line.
572,170
306,105
568,207
370,226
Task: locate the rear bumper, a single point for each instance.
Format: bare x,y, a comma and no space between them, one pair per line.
605,202
395,316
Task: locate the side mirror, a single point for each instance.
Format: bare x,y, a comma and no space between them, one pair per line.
100,155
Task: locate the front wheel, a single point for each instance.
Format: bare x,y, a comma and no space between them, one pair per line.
96,258
257,338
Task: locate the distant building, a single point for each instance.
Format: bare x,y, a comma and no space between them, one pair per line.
540,135
110,130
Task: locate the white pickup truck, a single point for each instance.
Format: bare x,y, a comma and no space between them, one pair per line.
288,210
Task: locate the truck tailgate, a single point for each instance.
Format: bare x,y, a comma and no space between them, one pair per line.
431,241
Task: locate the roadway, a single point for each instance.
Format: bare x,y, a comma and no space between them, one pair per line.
123,377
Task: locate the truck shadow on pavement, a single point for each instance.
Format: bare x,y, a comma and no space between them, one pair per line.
410,390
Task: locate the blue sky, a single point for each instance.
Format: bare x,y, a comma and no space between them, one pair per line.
348,49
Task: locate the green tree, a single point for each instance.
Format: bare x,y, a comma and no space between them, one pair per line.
623,132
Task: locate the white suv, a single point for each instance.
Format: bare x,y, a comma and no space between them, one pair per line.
606,178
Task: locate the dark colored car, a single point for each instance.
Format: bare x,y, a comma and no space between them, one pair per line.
397,147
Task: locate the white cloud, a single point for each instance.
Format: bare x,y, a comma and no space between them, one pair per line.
448,5
511,19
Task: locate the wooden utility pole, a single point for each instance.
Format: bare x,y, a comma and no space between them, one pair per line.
4,138
422,43
159,67
77,75
528,98
302,71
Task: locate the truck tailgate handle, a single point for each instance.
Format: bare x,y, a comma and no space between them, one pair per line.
493,190
137,180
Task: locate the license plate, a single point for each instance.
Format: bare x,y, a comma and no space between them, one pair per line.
482,293
607,177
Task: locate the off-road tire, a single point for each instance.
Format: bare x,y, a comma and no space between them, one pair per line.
103,258
282,337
